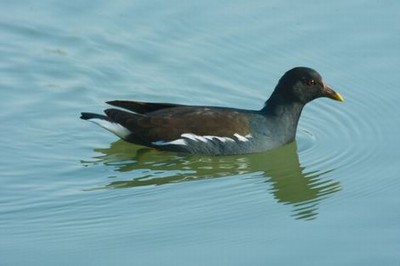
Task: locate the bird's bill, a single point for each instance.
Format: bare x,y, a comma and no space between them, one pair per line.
336,96
328,92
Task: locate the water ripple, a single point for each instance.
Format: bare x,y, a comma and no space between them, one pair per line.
348,136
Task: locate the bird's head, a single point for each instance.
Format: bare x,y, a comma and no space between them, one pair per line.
303,84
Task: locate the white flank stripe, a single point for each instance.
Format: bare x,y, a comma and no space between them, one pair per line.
242,138
189,136
195,137
114,128
224,139
172,142
205,138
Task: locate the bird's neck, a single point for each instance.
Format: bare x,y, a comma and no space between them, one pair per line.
284,114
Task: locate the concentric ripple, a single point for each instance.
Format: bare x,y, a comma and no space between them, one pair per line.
343,136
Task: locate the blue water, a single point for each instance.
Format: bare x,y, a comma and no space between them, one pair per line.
72,194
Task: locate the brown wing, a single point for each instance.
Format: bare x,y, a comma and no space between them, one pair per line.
169,124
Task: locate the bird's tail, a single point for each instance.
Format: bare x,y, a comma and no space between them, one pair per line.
106,123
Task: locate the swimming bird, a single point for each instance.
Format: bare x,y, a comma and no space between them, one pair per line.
217,130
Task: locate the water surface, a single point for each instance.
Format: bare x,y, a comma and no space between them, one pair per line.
71,193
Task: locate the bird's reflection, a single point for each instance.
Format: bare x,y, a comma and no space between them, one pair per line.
289,182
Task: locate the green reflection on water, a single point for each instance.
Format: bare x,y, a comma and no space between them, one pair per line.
289,182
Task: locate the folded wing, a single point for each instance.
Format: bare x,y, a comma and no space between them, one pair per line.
170,123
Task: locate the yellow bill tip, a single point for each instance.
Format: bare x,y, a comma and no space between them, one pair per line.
338,97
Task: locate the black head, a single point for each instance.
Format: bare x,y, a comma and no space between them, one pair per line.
303,84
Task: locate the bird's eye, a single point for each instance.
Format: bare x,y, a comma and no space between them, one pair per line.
309,82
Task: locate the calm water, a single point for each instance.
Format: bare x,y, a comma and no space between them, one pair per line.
71,194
